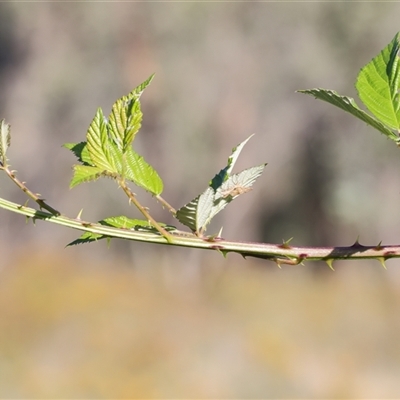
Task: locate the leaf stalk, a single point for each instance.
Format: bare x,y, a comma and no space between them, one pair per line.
143,210
41,202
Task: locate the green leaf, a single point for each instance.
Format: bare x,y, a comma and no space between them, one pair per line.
349,105
378,85
133,224
81,152
5,140
134,122
218,179
138,171
122,222
99,144
87,237
108,147
117,123
124,122
126,117
85,173
137,92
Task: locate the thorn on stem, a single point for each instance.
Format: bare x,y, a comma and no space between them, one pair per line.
329,261
285,244
382,260
357,243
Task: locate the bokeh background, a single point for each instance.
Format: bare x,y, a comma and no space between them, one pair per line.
142,321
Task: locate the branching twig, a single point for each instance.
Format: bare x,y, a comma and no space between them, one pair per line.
143,210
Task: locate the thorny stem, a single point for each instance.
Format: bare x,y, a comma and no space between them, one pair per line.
281,254
41,202
143,210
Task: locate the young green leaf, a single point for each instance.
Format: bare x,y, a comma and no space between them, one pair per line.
85,173
81,152
108,147
87,237
5,140
133,224
124,222
223,175
138,171
134,122
137,92
119,222
378,85
124,122
348,104
117,122
126,117
99,144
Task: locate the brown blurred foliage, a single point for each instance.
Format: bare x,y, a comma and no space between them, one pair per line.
136,320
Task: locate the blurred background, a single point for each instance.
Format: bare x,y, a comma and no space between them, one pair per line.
137,320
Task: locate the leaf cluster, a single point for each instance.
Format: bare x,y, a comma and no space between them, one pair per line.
108,148
108,152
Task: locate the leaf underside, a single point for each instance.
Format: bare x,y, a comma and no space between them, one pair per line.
223,189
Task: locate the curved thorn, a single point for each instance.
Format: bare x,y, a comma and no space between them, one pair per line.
79,214
329,261
382,260
285,244
356,243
